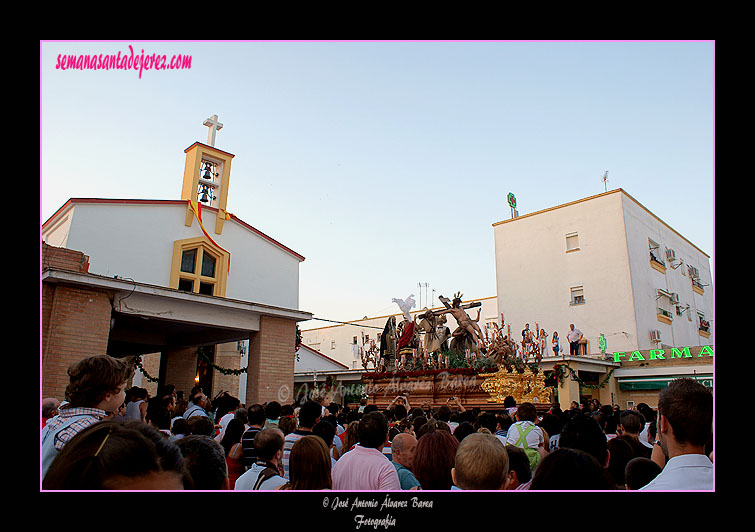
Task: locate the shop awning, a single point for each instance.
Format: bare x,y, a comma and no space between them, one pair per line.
658,383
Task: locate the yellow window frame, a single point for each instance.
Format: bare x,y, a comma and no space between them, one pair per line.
202,245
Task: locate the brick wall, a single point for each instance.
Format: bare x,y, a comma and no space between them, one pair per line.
64,259
75,321
77,326
181,369
271,362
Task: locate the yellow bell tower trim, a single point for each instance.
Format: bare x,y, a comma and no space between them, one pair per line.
196,208
201,159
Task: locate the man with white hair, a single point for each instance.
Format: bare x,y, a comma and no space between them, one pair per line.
403,447
573,336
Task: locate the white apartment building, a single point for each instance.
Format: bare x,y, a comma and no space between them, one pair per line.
342,342
609,266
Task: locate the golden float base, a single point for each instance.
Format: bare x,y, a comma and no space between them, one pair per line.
482,390
526,387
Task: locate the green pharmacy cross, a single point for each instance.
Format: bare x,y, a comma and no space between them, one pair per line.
512,203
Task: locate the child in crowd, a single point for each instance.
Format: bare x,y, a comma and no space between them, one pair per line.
96,389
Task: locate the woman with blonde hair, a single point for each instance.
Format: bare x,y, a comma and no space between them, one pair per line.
309,465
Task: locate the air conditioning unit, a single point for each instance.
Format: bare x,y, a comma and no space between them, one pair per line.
670,254
674,298
655,335
694,272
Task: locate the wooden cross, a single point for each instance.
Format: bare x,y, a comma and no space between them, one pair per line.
214,126
447,303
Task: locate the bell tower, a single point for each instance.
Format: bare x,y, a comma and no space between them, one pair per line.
206,175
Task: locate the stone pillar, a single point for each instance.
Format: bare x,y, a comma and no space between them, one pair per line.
226,356
272,350
151,364
568,392
609,395
181,368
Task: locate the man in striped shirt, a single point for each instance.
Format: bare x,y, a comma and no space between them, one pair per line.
309,415
97,388
256,416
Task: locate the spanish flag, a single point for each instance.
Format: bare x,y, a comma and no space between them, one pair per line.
196,207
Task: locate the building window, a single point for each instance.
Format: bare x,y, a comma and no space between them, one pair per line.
208,265
577,296
188,260
203,280
664,302
207,289
199,267
572,242
655,255
694,275
703,324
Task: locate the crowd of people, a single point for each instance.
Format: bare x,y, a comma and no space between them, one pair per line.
104,437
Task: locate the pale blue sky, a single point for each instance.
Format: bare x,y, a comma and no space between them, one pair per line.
362,156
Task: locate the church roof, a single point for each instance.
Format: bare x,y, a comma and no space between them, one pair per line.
71,202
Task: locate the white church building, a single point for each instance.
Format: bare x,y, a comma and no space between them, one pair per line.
186,284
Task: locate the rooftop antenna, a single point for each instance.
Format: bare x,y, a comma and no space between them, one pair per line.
605,178
422,285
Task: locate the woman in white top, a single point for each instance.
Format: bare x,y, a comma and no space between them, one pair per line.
137,408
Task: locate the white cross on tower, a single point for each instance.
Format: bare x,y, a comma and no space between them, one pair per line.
214,126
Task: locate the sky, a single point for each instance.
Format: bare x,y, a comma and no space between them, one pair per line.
385,164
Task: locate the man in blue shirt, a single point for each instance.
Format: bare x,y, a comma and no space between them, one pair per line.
403,447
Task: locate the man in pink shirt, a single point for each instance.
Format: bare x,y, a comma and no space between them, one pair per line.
365,467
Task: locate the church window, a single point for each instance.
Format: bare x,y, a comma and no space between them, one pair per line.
206,288
199,267
208,265
188,259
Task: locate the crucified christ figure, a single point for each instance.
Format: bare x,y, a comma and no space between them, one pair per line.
466,324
